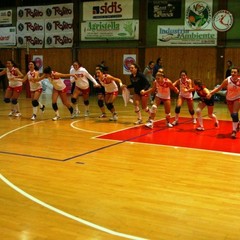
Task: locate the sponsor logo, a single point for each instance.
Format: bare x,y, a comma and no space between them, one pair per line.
198,15
222,20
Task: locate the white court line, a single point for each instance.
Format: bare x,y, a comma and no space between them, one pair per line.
4,135
80,220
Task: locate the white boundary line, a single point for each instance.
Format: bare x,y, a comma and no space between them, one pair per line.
16,129
80,220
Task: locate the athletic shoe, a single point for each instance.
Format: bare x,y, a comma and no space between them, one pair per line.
77,113
114,117
169,125
42,108
149,124
18,114
103,115
233,135
200,128
12,113
175,123
139,121
33,117
56,118
194,121
86,113
73,115
216,124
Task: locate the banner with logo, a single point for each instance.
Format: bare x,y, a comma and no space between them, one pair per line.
39,26
5,17
59,11
30,26
198,15
59,40
31,40
164,9
59,25
8,36
179,36
110,30
104,10
128,60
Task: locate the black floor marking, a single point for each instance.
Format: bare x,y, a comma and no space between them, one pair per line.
32,156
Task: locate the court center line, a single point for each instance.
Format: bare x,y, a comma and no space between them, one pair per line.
65,214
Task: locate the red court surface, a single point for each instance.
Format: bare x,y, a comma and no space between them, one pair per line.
182,135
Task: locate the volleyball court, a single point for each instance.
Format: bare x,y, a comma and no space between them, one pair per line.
182,135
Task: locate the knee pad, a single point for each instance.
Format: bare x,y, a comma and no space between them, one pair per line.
109,106
153,109
86,102
177,109
73,100
100,103
35,103
54,106
137,109
14,101
198,111
235,117
191,112
146,109
6,100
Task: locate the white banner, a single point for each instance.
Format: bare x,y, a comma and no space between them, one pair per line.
27,13
97,10
33,40
179,36
59,11
30,26
198,14
5,17
7,36
110,30
128,60
59,25
59,40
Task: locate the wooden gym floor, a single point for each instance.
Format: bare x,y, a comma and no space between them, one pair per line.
59,180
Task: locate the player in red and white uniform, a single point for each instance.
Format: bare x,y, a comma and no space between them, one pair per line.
59,89
203,92
186,88
232,84
162,87
81,86
35,88
15,87
111,90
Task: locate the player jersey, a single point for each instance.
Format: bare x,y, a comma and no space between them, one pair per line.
33,85
13,74
57,82
109,86
233,89
185,85
163,90
82,78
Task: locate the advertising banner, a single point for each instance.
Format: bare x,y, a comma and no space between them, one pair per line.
164,9
5,17
8,36
110,30
198,15
104,10
59,40
179,36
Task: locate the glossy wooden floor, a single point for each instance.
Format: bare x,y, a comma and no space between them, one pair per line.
59,182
